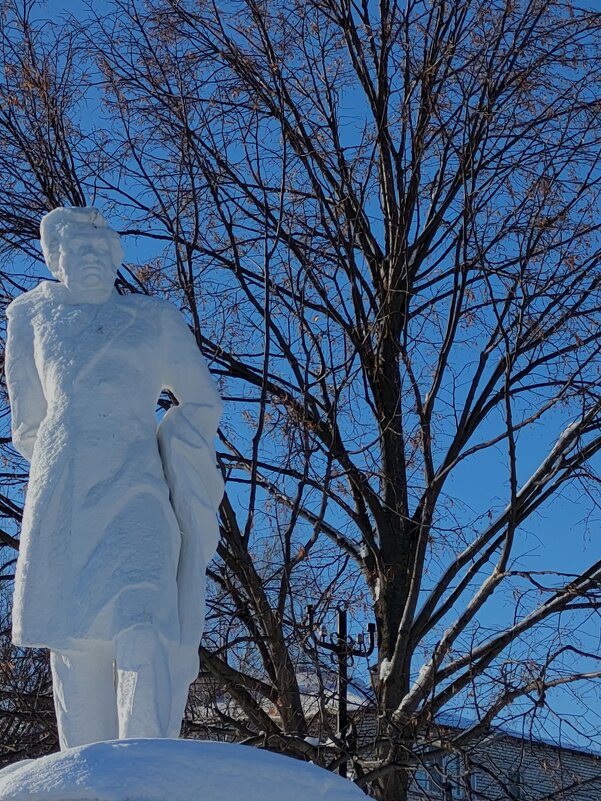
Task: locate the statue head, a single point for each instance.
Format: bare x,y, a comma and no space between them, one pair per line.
80,249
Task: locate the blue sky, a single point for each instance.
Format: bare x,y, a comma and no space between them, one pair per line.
557,536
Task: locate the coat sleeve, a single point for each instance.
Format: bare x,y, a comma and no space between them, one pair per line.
186,372
185,437
192,425
27,400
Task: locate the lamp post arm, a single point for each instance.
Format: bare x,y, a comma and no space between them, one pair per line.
343,653
371,628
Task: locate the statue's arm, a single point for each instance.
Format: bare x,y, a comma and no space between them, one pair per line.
186,436
187,375
192,424
27,401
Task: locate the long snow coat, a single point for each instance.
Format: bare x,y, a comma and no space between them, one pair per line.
100,545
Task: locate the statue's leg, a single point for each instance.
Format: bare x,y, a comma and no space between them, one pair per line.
143,683
180,687
84,696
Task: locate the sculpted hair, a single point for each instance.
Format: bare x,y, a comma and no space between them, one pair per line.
55,224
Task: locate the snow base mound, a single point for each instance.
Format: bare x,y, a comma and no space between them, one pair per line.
171,770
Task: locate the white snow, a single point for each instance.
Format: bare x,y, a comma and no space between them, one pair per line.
385,668
317,690
116,533
171,770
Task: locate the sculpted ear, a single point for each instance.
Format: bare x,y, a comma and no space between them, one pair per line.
117,253
50,248
50,240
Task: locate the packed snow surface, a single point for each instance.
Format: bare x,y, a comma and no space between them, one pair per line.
171,770
120,515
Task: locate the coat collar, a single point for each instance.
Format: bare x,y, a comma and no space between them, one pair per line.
58,292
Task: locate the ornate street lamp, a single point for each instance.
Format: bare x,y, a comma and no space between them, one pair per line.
343,650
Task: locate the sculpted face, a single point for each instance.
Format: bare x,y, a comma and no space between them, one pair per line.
82,252
85,262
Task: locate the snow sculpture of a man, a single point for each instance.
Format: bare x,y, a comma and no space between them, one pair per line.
120,520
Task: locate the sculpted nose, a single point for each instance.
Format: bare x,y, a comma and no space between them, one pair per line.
92,255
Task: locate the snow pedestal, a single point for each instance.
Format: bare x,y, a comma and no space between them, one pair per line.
171,770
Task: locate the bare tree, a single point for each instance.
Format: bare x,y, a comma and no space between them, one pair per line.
27,720
382,221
